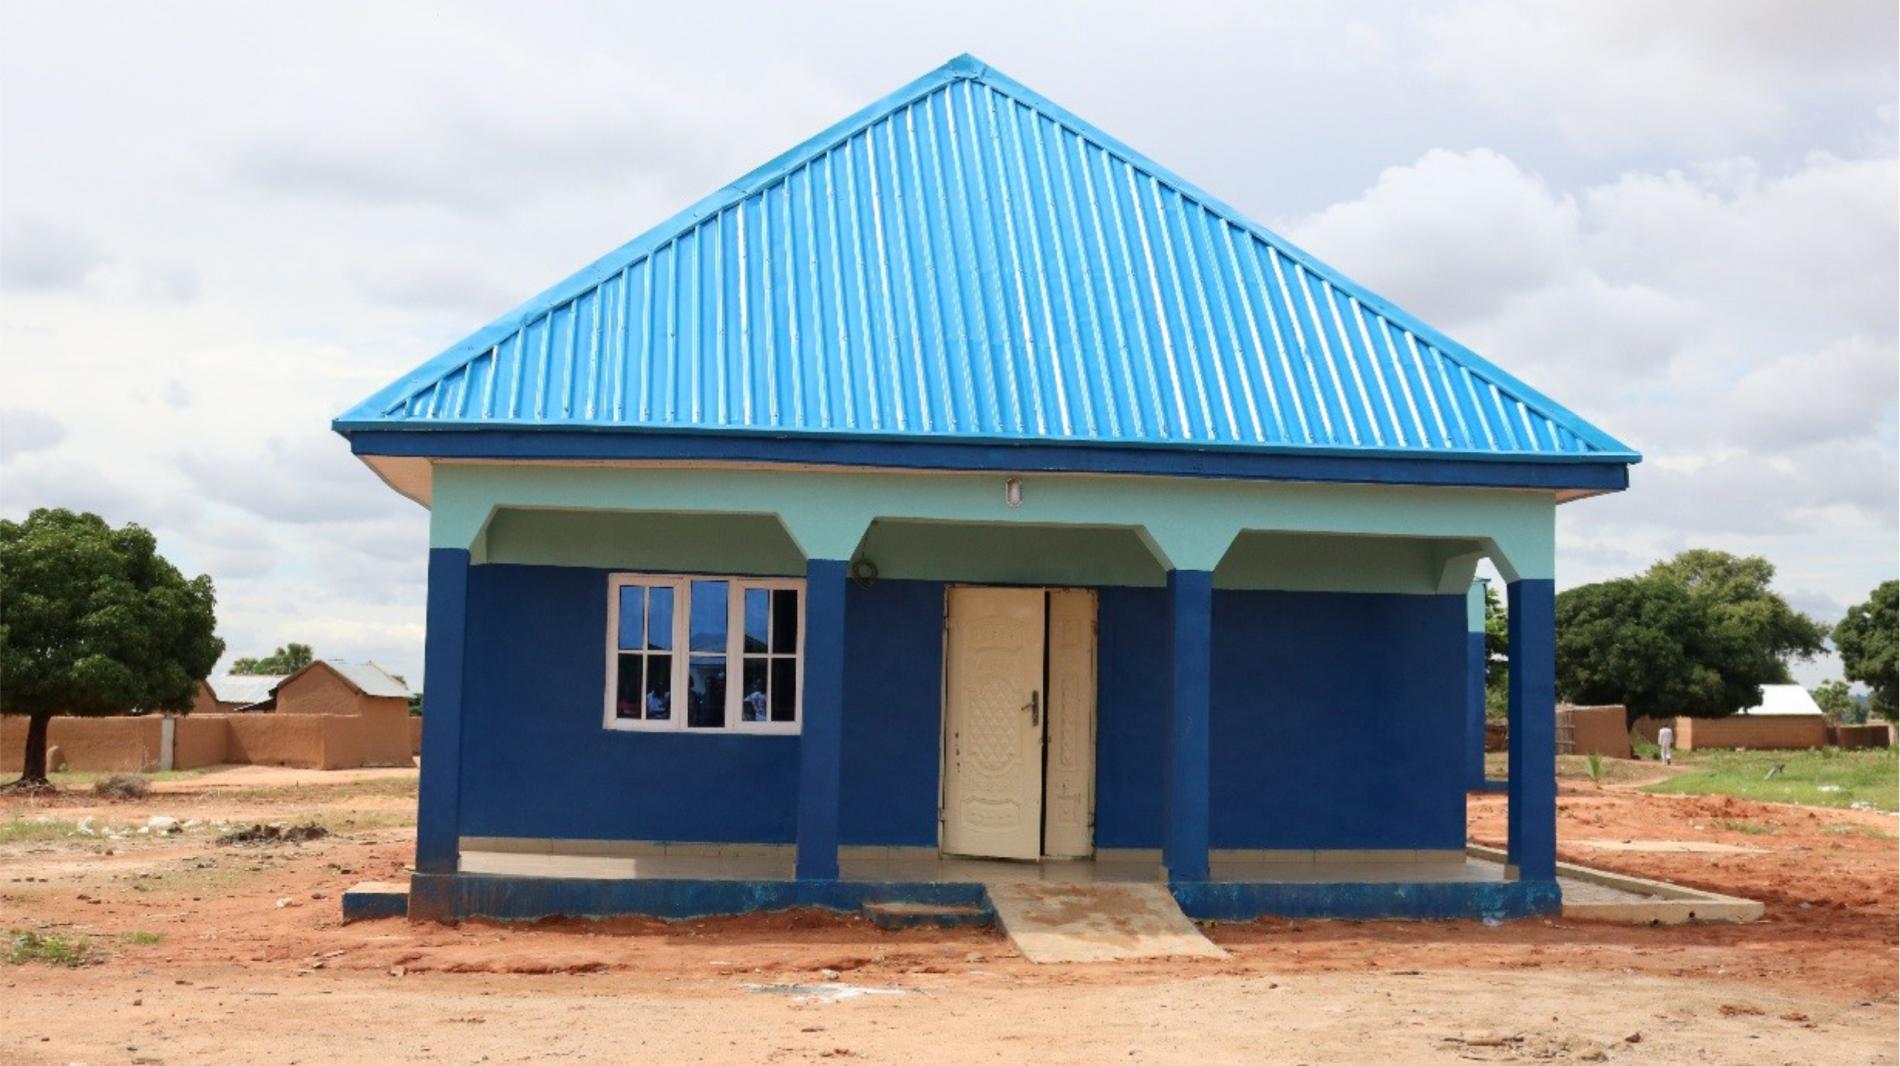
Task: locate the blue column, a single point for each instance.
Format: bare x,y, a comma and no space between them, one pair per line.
439,795
1531,821
1190,664
1475,660
821,735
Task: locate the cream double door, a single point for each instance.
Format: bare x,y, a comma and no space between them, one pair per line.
1019,723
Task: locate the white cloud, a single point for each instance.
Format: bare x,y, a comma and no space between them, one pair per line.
23,431
243,219
1703,74
39,253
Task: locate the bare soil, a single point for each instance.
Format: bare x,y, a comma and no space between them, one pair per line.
252,964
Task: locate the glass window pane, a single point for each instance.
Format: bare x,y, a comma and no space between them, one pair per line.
659,697
660,618
709,616
784,690
627,687
706,693
755,612
784,621
632,616
752,702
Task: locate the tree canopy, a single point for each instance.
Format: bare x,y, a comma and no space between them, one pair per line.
287,659
1695,635
1837,703
94,621
1867,640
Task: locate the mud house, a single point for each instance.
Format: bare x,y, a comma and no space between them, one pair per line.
963,487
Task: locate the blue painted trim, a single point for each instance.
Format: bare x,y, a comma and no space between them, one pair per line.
1185,785
821,733
1531,821
1244,901
1474,710
1475,469
439,794
452,897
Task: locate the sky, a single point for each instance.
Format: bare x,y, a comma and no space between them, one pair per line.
223,224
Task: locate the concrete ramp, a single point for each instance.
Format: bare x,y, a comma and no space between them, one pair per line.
1099,922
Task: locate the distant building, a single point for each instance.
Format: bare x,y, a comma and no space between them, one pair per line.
331,686
1784,700
236,692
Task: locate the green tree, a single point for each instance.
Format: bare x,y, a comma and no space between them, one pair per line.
1867,639
287,659
94,621
1751,631
1837,703
1497,655
1634,641
1695,635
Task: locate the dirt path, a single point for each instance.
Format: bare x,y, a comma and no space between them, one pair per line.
215,1015
209,953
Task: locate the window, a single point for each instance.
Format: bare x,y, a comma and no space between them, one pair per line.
704,653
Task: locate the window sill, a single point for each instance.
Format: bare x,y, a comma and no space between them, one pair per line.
768,729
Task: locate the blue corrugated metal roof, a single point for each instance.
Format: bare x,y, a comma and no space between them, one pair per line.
965,261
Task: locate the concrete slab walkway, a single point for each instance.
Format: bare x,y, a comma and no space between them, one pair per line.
1096,922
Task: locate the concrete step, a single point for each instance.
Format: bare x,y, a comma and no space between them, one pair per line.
375,899
1100,922
899,915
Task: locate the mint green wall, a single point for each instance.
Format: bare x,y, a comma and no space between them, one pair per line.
1011,555
688,543
1474,607
1316,562
1186,523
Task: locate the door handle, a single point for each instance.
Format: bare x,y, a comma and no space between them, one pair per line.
1035,708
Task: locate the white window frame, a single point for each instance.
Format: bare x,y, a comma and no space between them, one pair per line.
682,655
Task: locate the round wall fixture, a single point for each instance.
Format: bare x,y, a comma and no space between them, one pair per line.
863,572
1013,492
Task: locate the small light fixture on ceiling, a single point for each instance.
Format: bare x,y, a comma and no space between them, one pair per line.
1013,492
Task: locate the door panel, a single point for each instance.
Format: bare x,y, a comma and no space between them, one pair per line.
1068,821
992,739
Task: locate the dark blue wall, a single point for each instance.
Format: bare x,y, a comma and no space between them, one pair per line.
536,760
1337,723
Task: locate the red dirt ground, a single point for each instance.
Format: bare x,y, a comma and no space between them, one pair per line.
239,923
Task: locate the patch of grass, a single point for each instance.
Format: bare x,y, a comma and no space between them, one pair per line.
50,948
143,938
1867,778
1855,829
66,779
1754,829
324,793
17,830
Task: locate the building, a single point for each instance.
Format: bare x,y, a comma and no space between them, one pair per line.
1785,701
231,693
337,686
964,483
